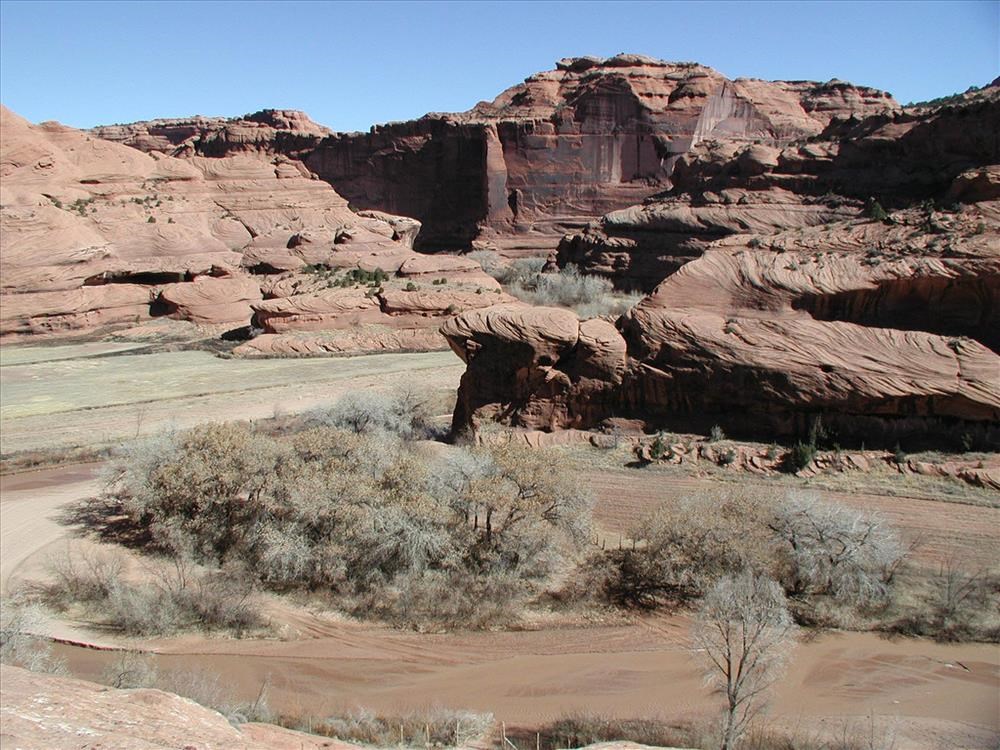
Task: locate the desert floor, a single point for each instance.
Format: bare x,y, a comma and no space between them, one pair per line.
928,694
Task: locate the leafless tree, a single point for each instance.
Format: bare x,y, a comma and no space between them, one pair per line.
849,554
744,631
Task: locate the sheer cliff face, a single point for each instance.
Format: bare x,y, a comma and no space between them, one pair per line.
563,147
722,188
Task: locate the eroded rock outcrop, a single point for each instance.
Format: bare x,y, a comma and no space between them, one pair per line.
884,346
549,154
46,711
96,234
724,187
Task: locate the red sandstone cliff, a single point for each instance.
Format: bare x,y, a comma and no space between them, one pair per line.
545,156
778,297
95,234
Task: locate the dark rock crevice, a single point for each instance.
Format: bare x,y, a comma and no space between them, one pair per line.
948,307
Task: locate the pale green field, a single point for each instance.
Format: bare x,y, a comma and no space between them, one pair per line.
26,355
66,396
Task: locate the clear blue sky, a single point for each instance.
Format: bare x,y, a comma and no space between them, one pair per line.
350,65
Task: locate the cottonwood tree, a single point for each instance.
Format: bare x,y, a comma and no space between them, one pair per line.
744,631
849,554
519,500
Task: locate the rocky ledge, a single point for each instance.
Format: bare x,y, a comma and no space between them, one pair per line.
765,334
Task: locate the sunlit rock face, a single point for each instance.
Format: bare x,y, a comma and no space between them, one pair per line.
97,235
545,156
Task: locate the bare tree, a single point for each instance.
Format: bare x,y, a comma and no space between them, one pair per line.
744,631
849,554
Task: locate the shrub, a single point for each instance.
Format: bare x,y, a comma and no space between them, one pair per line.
206,688
685,547
581,730
659,447
874,211
957,602
459,539
829,549
716,434
131,669
169,596
488,260
898,455
799,457
814,549
403,413
433,728
20,644
520,271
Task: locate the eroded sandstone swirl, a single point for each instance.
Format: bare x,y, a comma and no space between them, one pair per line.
895,343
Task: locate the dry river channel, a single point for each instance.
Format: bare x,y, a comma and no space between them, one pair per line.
927,694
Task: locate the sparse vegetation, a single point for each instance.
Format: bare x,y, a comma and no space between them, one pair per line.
20,643
818,552
941,101
432,728
169,595
588,296
348,509
875,212
800,456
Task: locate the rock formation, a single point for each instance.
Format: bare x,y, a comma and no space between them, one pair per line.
45,711
726,187
788,300
549,154
884,332
96,234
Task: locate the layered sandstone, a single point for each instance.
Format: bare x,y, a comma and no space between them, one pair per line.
97,235
549,154
724,187
765,335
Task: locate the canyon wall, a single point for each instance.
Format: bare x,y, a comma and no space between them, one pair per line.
780,296
99,236
544,157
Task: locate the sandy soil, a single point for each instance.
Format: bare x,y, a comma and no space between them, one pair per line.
644,669
929,695
29,509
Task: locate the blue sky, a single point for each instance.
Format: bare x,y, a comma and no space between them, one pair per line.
350,65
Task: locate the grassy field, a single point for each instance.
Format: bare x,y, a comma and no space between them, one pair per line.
93,394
